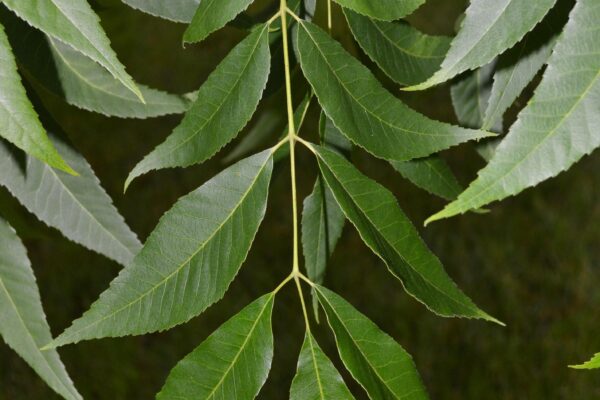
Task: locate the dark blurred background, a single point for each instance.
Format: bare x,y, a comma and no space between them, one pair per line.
532,261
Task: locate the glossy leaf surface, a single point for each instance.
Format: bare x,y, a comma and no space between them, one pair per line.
189,260
387,231
374,359
558,126
23,323
224,105
363,110
232,363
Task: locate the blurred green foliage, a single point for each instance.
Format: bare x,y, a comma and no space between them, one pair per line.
533,261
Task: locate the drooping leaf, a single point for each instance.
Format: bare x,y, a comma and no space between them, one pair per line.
431,174
386,10
75,205
174,10
266,126
316,377
489,28
310,7
558,126
374,359
224,105
55,68
363,110
593,363
87,85
232,363
73,22
331,136
401,51
388,232
518,66
189,260
23,323
212,15
19,123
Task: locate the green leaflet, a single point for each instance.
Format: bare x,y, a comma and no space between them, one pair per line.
299,116
75,205
317,378
374,359
387,10
218,113
188,261
363,110
331,136
470,98
431,174
518,66
174,10
19,124
22,321
401,51
593,363
74,23
322,225
489,28
232,363
558,125
387,231
58,69
212,15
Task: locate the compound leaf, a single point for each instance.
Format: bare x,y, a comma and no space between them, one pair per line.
224,105
556,128
316,377
73,22
363,110
19,123
374,359
22,321
189,260
232,363
386,10
388,232
212,15
174,10
75,205
406,55
489,28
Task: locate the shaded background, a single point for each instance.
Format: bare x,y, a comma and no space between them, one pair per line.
532,262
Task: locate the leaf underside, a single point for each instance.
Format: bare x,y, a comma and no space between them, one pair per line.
23,323
556,128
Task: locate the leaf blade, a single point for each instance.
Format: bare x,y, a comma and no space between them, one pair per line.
75,205
363,110
225,366
387,231
316,377
212,15
74,23
19,123
593,363
189,257
374,359
431,174
489,28
173,10
386,10
22,320
541,145
217,115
